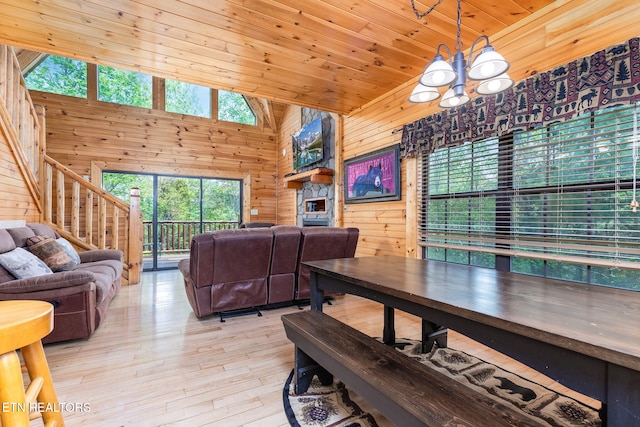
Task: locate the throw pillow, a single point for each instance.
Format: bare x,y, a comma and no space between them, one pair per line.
23,264
69,249
48,250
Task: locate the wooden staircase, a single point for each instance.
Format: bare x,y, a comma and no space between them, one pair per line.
81,212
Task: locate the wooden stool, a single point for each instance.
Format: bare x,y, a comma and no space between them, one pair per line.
22,325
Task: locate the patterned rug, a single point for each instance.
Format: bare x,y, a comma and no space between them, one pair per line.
335,406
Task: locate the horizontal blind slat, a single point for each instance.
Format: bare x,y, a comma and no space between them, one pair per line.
559,191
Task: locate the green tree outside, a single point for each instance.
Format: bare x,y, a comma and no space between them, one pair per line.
60,75
232,107
65,76
124,87
120,185
187,98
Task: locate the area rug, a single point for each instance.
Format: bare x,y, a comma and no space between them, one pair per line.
336,406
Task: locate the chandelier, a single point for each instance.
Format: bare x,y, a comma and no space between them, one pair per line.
489,68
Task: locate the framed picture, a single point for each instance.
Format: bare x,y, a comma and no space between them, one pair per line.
373,177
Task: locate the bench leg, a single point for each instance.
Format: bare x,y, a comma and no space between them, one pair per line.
306,368
433,333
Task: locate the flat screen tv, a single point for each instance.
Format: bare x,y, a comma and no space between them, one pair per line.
307,145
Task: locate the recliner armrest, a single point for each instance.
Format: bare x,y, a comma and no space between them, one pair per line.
100,255
63,279
184,268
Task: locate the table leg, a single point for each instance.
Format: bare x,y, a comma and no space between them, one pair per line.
622,407
389,331
316,296
36,362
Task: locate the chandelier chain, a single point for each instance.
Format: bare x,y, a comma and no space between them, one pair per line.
459,24
488,67
422,15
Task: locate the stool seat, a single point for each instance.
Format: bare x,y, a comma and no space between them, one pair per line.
23,324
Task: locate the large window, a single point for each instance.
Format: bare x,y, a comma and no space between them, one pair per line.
176,208
232,107
462,184
553,201
66,76
124,87
60,75
187,98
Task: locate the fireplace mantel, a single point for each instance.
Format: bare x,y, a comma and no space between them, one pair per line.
316,176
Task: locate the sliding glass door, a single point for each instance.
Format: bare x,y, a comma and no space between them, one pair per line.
176,208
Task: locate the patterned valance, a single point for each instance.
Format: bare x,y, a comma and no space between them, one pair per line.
606,78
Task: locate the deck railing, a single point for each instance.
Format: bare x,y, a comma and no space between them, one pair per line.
175,236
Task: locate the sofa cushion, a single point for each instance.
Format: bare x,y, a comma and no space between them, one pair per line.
106,272
69,249
48,250
6,241
5,276
42,230
23,264
20,235
113,265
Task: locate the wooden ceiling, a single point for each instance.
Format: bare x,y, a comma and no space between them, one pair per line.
334,55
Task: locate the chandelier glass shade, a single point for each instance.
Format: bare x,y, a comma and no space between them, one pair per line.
423,93
489,68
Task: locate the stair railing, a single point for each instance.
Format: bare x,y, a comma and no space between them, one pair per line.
19,121
90,217
86,215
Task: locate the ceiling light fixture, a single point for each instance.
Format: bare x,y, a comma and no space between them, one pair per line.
489,67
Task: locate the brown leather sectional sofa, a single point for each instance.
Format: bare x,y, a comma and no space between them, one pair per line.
253,268
80,295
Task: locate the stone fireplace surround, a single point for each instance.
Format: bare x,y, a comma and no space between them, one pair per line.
311,190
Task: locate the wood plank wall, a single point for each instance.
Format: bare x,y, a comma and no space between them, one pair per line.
382,225
287,197
81,132
563,31
89,135
15,198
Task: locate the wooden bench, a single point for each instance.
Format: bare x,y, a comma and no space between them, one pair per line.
406,391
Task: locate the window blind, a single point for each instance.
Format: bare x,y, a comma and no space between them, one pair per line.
562,192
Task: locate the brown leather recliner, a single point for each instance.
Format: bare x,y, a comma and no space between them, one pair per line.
282,277
252,268
228,270
318,243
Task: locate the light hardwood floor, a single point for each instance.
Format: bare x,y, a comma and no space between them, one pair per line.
152,363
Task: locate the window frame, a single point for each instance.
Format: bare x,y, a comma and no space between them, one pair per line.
157,94
507,194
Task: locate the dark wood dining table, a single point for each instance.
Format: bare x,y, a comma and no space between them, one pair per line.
587,337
